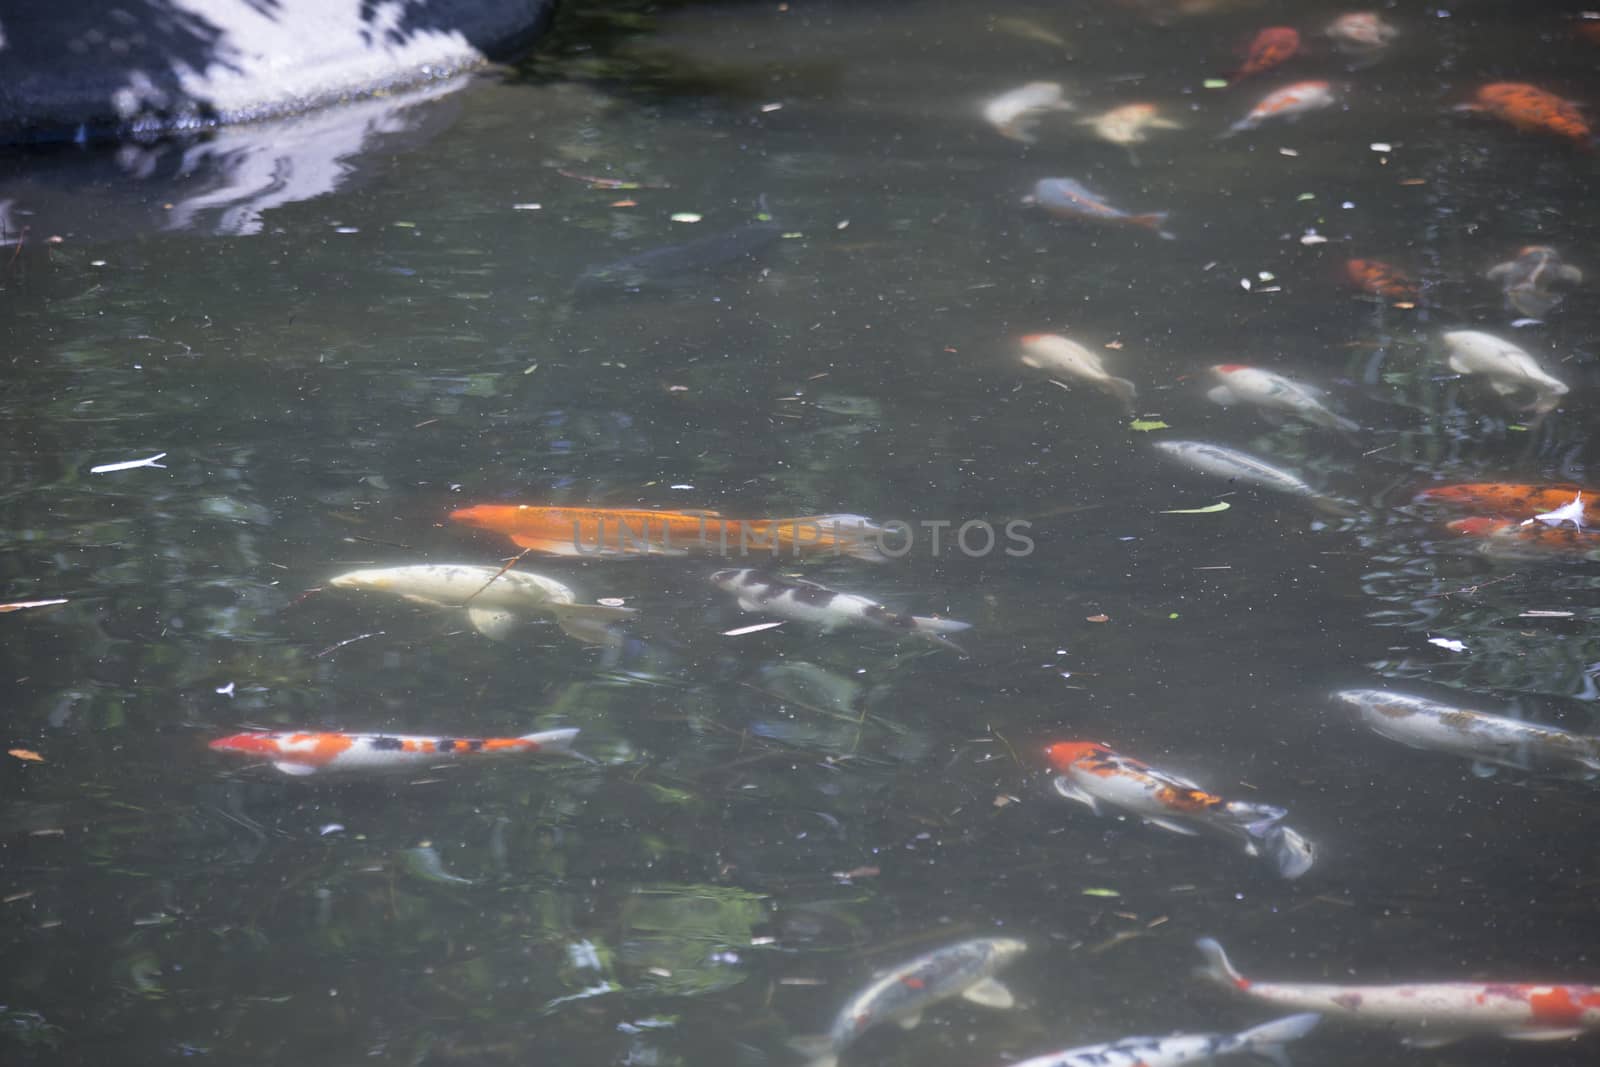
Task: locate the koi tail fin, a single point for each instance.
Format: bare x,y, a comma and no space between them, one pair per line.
1290,854
1154,220
1217,966
1332,505
556,742
816,1048
1268,1039
1124,391
936,629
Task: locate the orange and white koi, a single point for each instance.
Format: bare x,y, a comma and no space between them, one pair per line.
1514,499
1530,279
1093,774
1016,113
305,752
1061,355
1509,369
1429,1014
1289,103
1066,198
1510,539
622,532
1270,48
1361,33
1274,392
1532,110
1377,278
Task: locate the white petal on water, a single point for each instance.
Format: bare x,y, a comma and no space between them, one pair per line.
1448,644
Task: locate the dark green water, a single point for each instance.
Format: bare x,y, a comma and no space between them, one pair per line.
328,387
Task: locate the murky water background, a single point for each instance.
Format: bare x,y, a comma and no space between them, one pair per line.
776,815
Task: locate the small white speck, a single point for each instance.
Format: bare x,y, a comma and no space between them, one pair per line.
1265,275
346,229
842,224
1447,644
1287,152
1244,283
610,602
1381,146
685,216
1348,204
681,485
224,690
331,828
97,263
1312,237
526,207
771,107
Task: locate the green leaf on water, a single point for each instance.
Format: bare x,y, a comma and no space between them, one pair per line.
1517,429
1146,425
1216,83
1101,893
1221,505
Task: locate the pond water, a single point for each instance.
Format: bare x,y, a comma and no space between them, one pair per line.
775,816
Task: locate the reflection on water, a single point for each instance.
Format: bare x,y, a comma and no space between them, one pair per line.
777,813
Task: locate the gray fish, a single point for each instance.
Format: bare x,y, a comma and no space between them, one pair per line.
826,608
965,970
1175,1050
1068,199
674,266
1239,466
1528,280
1490,741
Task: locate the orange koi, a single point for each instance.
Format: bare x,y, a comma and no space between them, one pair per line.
1271,47
1378,278
1533,110
1512,499
612,532
300,753
1510,539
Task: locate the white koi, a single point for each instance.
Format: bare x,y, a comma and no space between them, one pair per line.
1273,391
1510,370
1361,33
1266,1041
497,601
1015,113
1052,352
1430,1014
1490,741
965,970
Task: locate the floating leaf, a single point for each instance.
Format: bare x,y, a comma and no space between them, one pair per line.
1146,425
1216,83
685,216
25,754
756,628
1221,505
1097,892
1097,618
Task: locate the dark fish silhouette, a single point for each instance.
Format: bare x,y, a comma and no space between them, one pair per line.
674,266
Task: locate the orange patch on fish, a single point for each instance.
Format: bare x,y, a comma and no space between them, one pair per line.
1270,48
1513,499
1380,279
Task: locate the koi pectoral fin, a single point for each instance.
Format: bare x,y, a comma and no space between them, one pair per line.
495,625
990,993
295,770
1064,786
1175,827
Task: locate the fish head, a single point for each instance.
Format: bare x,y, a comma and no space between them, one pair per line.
1064,754
258,745
731,578
371,578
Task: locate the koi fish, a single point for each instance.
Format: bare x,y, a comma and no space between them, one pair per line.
1052,352
1377,278
613,532
1430,1013
1093,774
1271,47
1512,498
1490,741
818,605
1361,33
1016,113
1068,199
675,266
1266,1041
1509,369
1289,103
1129,124
497,600
1528,280
300,753
1509,539
1532,110
1237,466
965,969
1274,392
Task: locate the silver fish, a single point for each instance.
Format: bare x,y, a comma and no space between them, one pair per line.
965,970
1066,198
1528,280
1273,391
1266,1041
1239,466
826,608
1490,741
